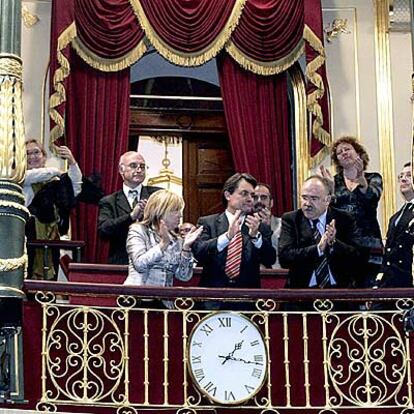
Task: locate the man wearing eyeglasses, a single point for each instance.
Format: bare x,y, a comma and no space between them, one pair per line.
318,243
263,203
398,264
120,209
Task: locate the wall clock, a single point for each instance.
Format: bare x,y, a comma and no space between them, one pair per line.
227,357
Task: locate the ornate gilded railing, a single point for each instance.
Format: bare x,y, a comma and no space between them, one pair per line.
327,356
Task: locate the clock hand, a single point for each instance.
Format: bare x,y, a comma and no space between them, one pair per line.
246,362
232,358
237,346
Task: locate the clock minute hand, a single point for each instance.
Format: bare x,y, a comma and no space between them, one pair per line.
246,362
237,346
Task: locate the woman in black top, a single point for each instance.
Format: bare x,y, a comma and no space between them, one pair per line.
358,193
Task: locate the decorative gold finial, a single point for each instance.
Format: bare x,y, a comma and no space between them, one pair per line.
29,19
337,27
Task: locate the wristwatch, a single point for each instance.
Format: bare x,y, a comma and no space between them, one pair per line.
255,238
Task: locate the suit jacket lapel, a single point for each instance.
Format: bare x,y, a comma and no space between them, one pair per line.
305,228
222,224
405,219
144,193
122,202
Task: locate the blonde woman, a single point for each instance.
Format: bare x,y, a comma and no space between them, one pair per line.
156,253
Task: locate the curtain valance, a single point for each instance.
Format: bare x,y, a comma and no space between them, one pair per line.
264,36
268,38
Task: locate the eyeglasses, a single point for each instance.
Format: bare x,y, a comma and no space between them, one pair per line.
136,166
35,152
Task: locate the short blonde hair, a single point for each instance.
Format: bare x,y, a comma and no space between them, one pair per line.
38,144
159,204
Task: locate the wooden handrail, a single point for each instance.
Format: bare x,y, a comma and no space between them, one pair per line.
94,289
107,268
61,244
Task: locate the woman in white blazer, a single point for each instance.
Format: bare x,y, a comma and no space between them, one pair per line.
156,253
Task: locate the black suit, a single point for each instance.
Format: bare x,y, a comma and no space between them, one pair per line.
298,249
114,221
214,262
398,258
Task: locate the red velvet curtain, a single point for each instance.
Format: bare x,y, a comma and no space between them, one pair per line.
269,30
108,28
96,112
256,110
97,122
188,25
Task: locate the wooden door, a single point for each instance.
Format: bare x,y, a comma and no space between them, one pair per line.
207,160
207,165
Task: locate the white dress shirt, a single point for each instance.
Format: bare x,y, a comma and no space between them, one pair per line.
130,197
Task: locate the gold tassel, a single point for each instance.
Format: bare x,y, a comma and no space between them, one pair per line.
317,159
313,98
108,65
188,59
62,72
265,68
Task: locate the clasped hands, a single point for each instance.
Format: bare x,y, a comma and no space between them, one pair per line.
252,221
329,237
189,239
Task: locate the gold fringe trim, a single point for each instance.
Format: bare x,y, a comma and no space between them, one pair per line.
108,65
313,98
62,72
317,159
265,68
189,59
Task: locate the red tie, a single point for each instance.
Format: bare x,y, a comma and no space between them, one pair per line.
234,253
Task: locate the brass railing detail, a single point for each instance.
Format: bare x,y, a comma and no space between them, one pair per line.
88,357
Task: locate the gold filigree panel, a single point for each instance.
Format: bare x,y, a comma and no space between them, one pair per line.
132,357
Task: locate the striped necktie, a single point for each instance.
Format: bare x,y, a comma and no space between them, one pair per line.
322,268
134,195
234,253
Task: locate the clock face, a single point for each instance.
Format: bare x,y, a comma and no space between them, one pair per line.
227,357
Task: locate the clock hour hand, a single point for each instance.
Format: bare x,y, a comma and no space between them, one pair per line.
237,346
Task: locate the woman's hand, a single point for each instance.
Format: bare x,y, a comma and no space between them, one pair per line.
191,237
326,174
164,234
65,153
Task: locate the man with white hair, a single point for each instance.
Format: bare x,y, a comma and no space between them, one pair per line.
120,209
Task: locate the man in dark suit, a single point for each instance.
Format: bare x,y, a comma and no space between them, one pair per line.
120,209
220,231
318,244
397,265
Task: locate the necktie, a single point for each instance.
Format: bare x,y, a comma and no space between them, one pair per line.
134,195
322,268
234,253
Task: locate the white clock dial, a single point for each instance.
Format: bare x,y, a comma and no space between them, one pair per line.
227,357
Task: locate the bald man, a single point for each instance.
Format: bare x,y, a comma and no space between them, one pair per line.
119,210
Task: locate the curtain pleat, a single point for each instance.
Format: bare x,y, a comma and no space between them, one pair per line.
256,110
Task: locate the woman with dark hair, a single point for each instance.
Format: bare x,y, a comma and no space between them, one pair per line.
49,195
358,193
